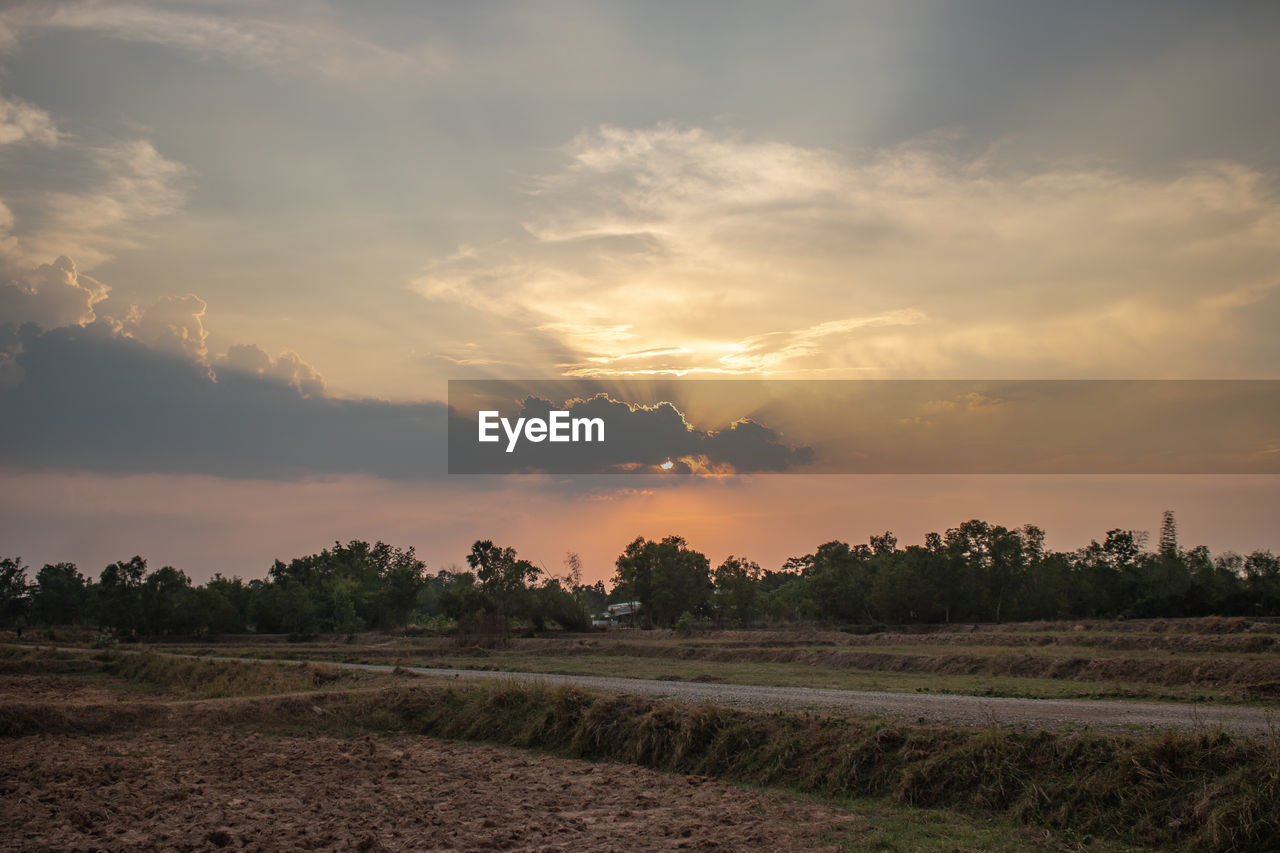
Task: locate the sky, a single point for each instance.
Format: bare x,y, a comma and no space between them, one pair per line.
244,247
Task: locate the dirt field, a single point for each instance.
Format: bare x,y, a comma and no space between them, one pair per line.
198,791
139,750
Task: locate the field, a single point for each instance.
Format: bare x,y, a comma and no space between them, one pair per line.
128,748
1195,660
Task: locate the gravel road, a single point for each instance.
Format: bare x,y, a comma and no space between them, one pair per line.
931,707
915,707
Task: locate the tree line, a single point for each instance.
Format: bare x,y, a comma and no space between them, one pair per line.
976,572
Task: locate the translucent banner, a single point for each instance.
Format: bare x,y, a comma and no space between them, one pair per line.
728,427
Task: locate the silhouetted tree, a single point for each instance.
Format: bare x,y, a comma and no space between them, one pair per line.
737,583
666,577
503,576
15,594
118,599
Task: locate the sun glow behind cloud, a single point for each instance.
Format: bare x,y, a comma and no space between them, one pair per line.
728,256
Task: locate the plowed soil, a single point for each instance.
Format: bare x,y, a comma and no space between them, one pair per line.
198,791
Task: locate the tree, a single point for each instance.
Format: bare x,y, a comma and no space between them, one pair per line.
1169,536
225,603
60,595
357,585
737,583
503,576
168,602
459,594
1262,582
401,582
15,593
594,598
119,595
552,602
666,577
835,577
573,569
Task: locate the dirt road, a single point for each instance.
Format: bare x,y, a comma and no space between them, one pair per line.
933,707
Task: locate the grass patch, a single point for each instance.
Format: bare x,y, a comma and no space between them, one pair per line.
791,675
1208,791
191,678
886,827
931,662
32,660
1203,791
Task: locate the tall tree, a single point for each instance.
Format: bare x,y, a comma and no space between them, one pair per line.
737,582
119,595
60,595
1168,536
667,578
15,593
503,576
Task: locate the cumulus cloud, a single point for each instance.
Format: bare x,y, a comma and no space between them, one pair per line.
288,367
49,295
683,251
172,324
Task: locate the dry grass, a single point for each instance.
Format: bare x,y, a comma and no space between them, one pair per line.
1195,791
1195,660
192,678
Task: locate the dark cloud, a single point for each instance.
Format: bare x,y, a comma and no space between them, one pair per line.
637,438
93,399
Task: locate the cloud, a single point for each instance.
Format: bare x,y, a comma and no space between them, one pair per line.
23,122
172,324
50,295
716,254
296,41
288,367
93,399
57,295
87,201
47,296
66,196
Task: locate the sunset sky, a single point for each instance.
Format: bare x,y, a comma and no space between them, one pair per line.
244,246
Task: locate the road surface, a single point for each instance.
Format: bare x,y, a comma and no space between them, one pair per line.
913,707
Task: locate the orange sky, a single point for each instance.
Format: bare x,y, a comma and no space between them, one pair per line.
208,524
